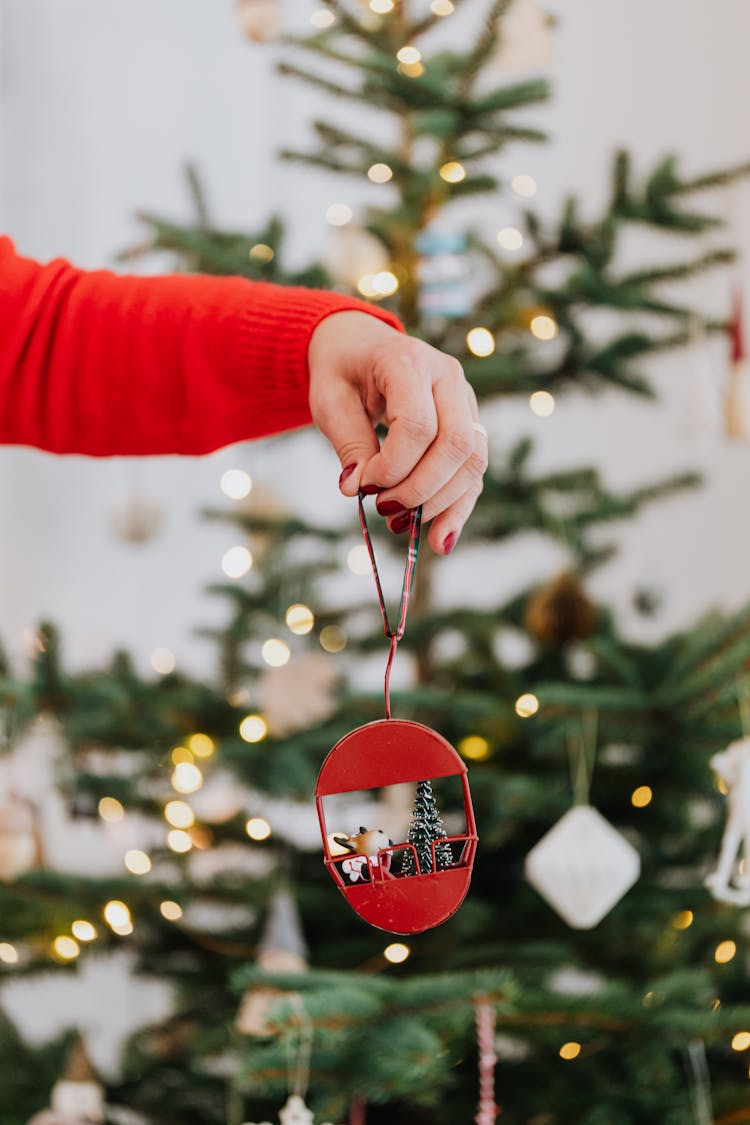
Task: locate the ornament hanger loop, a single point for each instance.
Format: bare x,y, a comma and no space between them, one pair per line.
394,635
581,754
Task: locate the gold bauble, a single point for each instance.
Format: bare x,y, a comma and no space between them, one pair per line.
560,612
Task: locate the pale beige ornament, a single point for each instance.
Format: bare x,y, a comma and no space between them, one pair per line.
78,1098
526,38
353,253
282,949
20,842
737,397
137,519
299,694
259,20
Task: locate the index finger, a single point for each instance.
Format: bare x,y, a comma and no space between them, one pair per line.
411,416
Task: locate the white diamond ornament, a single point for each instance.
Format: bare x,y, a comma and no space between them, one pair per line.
582,867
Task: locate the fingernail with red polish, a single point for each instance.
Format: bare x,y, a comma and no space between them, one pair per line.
389,507
449,542
347,472
370,489
401,523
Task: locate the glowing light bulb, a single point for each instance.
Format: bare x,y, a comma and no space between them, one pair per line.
480,342
179,814
683,920
527,705
253,728
262,252
84,930
570,1050
116,913
258,828
322,18
111,810
8,953
275,652
366,285
332,638
236,562
202,745
179,841
380,173
66,947
724,952
381,7
236,484
181,754
542,404
442,7
396,952
524,185
137,862
187,778
385,283
409,55
452,172
163,661
741,1041
543,327
510,238
641,797
339,214
474,747
358,560
170,910
300,619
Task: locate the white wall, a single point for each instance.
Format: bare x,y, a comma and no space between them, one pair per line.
102,103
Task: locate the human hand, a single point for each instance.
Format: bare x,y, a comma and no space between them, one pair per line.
363,372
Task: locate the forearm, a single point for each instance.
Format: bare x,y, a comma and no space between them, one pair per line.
102,364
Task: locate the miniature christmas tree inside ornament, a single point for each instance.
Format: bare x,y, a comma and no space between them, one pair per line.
431,877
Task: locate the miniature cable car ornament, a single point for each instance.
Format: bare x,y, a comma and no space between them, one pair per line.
368,868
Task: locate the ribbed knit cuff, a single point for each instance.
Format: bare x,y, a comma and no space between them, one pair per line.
284,319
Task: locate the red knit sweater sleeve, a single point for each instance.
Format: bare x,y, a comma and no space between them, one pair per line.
99,363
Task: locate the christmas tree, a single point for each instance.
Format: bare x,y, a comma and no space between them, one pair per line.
200,792
425,829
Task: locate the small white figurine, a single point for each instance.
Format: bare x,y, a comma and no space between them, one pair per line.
729,882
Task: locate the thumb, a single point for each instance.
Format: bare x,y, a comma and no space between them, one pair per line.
341,418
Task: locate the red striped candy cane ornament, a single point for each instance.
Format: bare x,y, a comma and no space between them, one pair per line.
485,1017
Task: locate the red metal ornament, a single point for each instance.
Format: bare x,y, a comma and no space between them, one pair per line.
405,900
390,752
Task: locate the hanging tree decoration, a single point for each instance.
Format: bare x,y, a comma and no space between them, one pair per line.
78,1097
20,839
395,752
295,1110
485,1018
425,829
560,612
737,399
583,866
526,40
281,949
730,881
260,20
